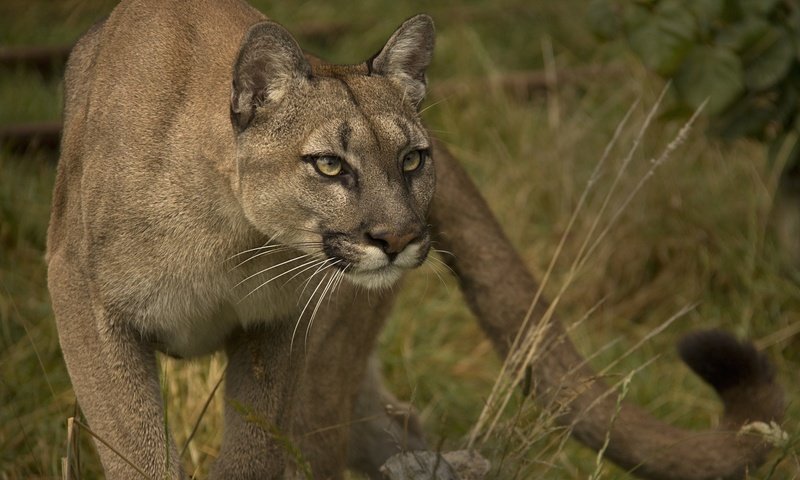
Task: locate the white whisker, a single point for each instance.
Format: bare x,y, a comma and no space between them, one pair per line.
336,277
272,267
444,264
313,263
270,249
341,277
303,311
435,269
319,262
319,269
331,279
266,245
444,99
444,252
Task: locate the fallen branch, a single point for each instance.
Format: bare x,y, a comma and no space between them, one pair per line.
30,136
47,60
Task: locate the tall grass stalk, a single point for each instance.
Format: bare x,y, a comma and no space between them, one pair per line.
624,387
524,352
500,385
85,428
526,344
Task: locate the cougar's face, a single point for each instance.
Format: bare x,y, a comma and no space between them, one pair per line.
341,169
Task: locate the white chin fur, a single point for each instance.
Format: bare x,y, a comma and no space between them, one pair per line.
376,279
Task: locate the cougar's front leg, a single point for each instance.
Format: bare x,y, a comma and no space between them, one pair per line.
382,425
375,427
344,420
114,374
260,394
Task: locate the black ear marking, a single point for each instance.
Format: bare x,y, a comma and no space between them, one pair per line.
406,56
269,63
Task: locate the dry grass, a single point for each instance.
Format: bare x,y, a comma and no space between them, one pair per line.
697,233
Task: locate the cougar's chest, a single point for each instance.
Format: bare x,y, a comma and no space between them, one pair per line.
193,315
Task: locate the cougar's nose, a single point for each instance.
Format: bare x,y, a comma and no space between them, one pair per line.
390,241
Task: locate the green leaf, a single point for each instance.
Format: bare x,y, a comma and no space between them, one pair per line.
773,63
663,37
743,34
709,9
746,118
786,108
763,116
758,7
707,13
710,72
604,19
634,15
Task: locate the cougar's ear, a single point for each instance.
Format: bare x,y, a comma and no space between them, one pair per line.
269,63
406,56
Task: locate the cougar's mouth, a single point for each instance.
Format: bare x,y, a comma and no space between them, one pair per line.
371,266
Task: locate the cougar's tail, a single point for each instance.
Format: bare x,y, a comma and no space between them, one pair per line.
499,290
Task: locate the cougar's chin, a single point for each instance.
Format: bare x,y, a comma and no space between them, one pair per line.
376,279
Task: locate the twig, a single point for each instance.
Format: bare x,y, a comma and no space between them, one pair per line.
100,439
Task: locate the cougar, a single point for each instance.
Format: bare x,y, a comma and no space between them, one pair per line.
220,189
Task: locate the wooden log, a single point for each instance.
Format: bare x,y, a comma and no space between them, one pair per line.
47,60
24,137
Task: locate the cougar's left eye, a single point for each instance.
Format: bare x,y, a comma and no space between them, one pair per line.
413,160
328,165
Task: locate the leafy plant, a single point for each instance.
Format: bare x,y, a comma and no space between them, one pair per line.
743,55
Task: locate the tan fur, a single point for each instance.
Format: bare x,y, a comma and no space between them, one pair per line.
190,132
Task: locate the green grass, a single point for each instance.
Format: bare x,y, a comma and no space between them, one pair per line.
698,233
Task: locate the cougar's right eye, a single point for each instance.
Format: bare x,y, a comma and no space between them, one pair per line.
413,160
328,165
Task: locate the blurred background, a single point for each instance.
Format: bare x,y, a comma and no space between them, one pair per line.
528,95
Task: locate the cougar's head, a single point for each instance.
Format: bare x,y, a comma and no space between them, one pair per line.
334,159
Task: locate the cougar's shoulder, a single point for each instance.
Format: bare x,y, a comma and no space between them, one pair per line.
143,195
132,84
